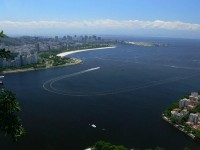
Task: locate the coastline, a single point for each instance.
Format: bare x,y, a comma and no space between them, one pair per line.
77,61
180,128
184,115
63,54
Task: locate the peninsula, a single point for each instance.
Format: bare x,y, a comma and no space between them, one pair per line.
52,59
34,53
145,44
185,115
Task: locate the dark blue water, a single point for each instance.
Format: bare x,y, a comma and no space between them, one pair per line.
124,98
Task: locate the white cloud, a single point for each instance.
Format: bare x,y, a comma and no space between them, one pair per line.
103,24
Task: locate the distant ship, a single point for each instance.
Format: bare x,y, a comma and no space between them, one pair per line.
1,82
1,77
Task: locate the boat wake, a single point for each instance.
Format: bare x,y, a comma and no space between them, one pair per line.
49,85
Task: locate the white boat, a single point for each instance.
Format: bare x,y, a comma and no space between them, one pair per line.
1,77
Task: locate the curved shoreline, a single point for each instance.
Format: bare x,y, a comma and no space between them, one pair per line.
178,127
63,54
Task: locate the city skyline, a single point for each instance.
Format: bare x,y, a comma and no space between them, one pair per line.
113,17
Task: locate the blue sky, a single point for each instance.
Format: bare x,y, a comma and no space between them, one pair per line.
170,18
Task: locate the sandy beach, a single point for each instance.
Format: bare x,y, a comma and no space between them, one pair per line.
83,50
78,61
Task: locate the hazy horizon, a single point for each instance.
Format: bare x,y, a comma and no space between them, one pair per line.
128,73
172,19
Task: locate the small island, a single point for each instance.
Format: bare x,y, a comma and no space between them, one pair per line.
184,115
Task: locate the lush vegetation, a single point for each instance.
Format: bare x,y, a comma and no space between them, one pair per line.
34,66
10,122
196,110
46,59
182,122
85,46
3,52
50,59
102,145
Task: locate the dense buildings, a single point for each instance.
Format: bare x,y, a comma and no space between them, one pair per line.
22,59
185,115
185,106
26,49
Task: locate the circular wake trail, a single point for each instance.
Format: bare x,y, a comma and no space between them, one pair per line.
49,82
48,85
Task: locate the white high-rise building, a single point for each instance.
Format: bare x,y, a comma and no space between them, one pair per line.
184,103
194,118
194,94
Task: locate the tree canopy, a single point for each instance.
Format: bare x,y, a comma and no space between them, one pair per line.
10,122
3,52
101,145
2,34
